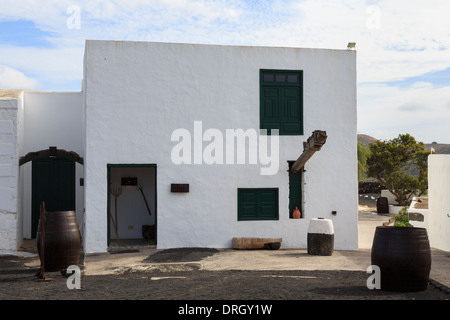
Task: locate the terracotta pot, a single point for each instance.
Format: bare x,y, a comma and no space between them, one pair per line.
296,213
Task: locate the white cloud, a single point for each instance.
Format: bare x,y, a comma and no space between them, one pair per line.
386,111
395,40
399,39
51,67
14,79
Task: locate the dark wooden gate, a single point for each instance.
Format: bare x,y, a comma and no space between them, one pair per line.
53,181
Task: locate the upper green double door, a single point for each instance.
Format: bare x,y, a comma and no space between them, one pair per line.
53,181
281,104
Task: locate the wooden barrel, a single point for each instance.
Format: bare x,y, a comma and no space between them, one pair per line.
404,257
320,239
382,205
62,246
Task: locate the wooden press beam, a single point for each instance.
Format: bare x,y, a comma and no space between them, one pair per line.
313,144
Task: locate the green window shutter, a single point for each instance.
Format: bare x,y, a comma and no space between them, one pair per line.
257,204
247,204
281,101
295,191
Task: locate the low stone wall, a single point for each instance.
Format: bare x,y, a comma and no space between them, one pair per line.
369,187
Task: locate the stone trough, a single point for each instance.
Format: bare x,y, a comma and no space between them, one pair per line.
257,243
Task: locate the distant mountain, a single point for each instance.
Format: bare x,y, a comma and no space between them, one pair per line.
364,138
441,148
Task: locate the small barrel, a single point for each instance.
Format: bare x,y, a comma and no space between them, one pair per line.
62,245
404,257
320,237
382,205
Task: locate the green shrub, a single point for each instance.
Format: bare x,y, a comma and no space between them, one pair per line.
401,219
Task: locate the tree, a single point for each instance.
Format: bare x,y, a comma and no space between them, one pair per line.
400,165
363,154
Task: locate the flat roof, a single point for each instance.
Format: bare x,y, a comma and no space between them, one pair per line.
10,93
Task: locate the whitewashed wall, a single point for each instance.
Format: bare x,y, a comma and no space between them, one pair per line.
51,119
137,94
439,201
10,213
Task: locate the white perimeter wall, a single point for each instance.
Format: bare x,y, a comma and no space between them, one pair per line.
10,135
51,119
137,94
439,201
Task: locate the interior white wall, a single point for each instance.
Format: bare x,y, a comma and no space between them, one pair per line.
51,119
439,201
138,93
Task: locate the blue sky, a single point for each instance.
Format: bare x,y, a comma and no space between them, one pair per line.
403,47
23,33
438,79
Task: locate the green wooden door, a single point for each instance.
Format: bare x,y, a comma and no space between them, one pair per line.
295,190
53,181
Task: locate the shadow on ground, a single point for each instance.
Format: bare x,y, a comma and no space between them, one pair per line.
180,255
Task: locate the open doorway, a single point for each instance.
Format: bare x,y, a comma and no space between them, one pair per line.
131,204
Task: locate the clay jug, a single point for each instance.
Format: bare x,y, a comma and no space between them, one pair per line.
296,213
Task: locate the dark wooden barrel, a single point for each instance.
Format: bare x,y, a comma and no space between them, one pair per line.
62,246
382,205
404,257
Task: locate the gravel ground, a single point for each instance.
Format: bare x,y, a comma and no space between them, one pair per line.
176,283
184,281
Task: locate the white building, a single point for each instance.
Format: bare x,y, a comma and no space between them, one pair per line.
438,224
170,116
